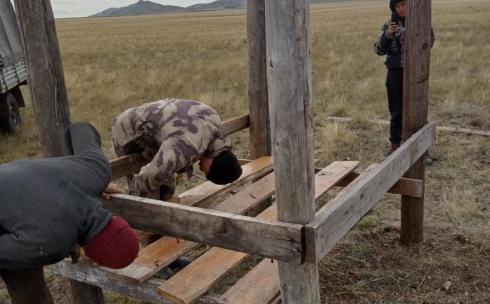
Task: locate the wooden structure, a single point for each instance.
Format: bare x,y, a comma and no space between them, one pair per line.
288,232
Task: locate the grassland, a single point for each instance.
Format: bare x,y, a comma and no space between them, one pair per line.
111,64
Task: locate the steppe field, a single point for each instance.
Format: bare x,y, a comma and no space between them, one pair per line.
114,63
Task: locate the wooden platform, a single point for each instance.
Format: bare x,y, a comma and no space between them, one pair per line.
252,194
193,283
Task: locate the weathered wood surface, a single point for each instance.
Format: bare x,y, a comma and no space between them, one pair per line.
406,186
46,78
164,251
336,218
208,191
291,110
235,124
281,241
439,128
258,286
85,272
418,43
132,163
260,137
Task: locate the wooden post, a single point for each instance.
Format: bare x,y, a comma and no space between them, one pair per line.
257,81
418,42
290,99
46,80
49,97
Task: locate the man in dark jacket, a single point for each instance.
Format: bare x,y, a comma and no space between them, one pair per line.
390,42
49,206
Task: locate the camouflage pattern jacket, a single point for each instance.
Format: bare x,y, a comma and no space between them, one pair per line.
393,46
173,134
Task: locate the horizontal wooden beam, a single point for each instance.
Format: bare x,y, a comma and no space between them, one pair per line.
88,273
132,163
439,128
405,186
337,217
281,241
235,124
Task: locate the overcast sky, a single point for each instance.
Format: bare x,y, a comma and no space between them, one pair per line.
82,8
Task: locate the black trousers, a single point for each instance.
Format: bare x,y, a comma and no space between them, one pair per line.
394,86
26,286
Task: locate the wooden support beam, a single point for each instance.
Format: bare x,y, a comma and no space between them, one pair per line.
132,163
87,274
405,186
234,125
337,217
49,96
260,137
418,43
46,79
456,130
290,99
281,241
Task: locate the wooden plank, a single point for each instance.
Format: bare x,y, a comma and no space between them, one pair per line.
406,186
291,113
418,43
260,137
281,241
456,130
234,125
258,286
164,251
208,191
197,278
336,218
46,79
132,163
127,164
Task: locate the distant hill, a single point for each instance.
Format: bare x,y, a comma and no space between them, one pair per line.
218,5
143,7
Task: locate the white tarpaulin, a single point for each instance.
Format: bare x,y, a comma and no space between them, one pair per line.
11,48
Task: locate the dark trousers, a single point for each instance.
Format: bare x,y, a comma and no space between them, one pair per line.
26,286
394,86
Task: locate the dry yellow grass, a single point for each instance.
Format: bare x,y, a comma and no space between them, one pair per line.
112,64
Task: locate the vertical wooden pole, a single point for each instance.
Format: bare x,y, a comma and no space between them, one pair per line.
290,99
257,80
49,97
46,80
418,43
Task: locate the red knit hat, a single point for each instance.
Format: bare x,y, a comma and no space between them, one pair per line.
115,247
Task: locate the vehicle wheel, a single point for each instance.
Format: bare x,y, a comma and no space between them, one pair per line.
9,113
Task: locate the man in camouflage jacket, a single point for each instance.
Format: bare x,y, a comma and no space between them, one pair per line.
174,134
390,42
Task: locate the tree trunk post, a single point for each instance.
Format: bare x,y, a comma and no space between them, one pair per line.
290,99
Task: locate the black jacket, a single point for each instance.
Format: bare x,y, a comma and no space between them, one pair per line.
49,205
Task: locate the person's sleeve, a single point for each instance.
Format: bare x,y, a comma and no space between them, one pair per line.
174,155
383,43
